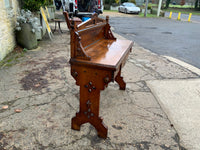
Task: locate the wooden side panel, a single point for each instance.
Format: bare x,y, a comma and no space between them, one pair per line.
94,20
77,50
91,35
67,19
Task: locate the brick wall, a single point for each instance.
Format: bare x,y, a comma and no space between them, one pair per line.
7,24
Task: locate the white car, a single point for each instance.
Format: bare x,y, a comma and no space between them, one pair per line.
129,8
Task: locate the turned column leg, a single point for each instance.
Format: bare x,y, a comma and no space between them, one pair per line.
59,27
89,110
120,81
55,27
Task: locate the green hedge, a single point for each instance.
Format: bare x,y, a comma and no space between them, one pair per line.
34,5
107,7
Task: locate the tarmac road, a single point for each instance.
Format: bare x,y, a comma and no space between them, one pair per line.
178,39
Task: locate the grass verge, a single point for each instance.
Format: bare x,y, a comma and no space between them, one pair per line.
110,11
148,15
183,11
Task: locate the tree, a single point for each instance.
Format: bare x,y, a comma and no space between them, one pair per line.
197,4
34,5
167,4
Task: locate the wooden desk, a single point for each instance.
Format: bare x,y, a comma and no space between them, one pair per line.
97,58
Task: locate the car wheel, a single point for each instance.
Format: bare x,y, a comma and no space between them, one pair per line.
125,11
119,10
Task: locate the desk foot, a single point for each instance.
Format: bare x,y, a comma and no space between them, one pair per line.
76,122
97,122
120,81
102,129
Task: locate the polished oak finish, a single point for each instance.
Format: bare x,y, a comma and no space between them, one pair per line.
97,58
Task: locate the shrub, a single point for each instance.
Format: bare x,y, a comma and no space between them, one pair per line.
34,5
149,6
132,1
107,7
115,4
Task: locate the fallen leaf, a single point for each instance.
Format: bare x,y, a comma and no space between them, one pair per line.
18,110
37,85
5,107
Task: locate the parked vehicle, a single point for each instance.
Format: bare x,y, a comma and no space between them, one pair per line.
129,8
58,4
83,8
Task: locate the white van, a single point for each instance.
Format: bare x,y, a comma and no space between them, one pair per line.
82,8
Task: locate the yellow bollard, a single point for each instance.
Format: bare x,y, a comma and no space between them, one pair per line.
170,15
179,16
190,15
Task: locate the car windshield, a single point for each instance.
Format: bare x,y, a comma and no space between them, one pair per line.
129,4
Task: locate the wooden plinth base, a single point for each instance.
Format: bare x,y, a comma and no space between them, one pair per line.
90,97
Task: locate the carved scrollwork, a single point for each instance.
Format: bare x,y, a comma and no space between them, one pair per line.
108,33
79,50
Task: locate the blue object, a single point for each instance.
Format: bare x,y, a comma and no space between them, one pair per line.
85,18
